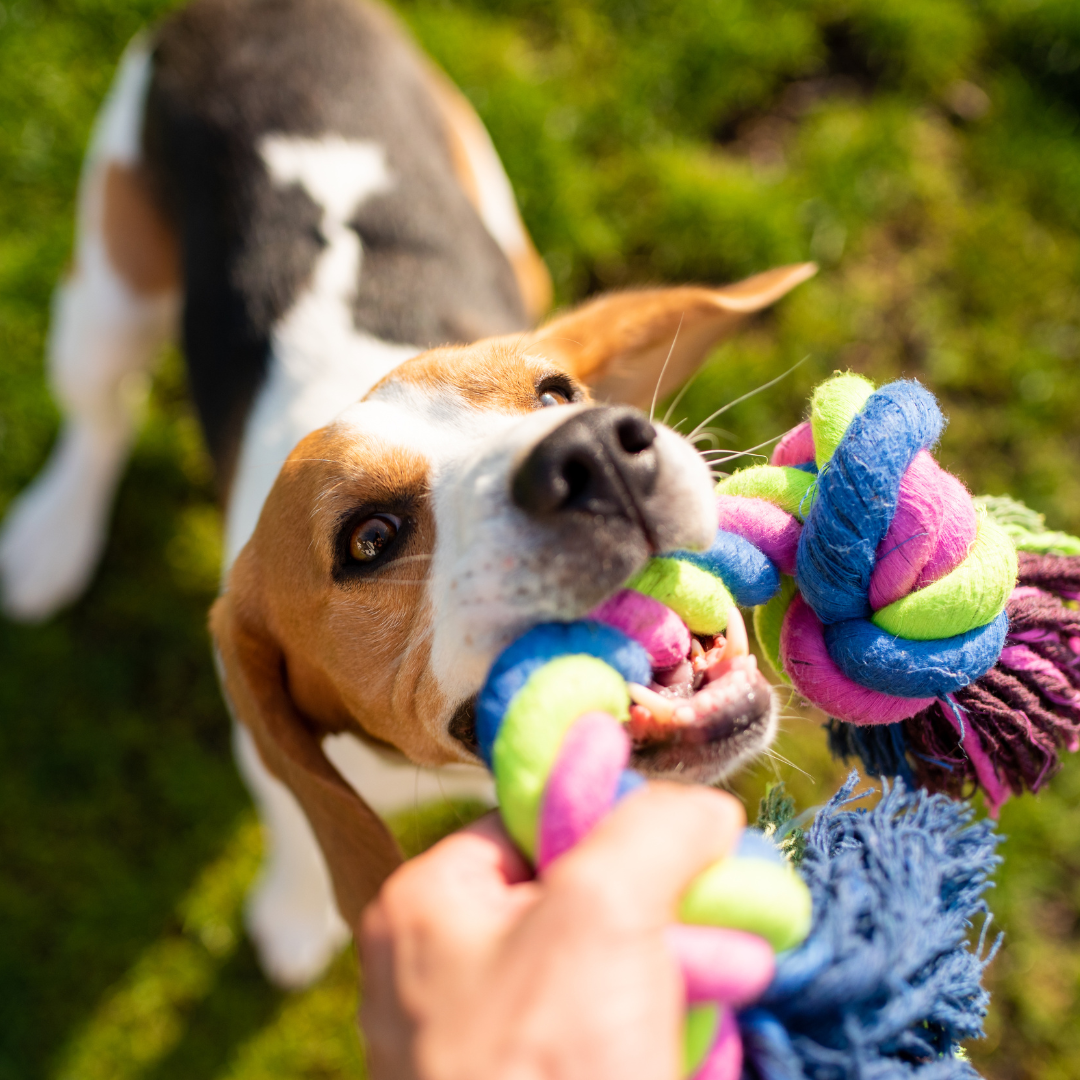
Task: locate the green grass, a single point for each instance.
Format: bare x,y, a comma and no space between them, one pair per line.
925,152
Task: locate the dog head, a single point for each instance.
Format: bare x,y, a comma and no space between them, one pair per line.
473,493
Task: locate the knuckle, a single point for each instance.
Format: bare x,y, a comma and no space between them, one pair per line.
698,808
591,887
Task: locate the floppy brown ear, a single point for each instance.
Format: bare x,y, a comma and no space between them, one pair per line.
619,343
359,849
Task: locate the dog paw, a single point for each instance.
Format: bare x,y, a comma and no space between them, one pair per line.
295,932
54,532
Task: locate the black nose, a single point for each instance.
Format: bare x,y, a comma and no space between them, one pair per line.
600,461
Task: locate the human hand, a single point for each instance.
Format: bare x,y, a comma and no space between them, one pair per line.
473,970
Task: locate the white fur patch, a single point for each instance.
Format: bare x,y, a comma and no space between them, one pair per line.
498,207
117,130
319,362
389,783
492,575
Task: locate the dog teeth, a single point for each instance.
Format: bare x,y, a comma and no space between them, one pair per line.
726,672
735,655
706,660
662,708
736,641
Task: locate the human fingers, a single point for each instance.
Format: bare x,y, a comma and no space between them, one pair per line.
444,911
466,877
638,861
425,941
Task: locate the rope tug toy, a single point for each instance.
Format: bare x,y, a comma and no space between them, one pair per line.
898,610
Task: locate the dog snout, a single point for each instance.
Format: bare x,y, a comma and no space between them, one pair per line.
601,461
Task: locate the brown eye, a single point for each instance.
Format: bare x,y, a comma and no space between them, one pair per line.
371,537
554,396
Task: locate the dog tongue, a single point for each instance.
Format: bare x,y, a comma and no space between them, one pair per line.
678,680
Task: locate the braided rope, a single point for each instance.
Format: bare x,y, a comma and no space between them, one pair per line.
899,583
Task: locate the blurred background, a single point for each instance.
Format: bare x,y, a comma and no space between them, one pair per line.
925,152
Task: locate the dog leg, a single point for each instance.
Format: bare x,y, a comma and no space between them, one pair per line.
292,916
110,319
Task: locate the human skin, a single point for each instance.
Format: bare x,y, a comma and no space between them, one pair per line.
474,970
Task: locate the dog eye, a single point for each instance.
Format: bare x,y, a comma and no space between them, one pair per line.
371,537
554,396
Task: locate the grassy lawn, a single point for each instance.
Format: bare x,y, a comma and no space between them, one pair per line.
925,152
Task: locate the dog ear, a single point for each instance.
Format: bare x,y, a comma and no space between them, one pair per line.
619,343
359,849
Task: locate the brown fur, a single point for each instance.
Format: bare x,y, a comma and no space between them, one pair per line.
140,242
502,377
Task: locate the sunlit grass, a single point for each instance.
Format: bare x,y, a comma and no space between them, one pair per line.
925,152
143,1018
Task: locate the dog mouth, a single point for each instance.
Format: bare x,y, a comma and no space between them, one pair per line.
707,709
703,717
697,721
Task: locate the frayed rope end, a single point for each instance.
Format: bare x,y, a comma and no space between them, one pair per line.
888,978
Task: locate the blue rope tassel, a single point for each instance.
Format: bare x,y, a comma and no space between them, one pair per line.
887,985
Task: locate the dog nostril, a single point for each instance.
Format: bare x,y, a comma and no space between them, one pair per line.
577,476
635,434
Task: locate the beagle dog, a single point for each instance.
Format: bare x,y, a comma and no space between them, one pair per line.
411,475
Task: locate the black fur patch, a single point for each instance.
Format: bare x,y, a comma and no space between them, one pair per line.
226,73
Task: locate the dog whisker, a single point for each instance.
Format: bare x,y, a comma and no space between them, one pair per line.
772,755
719,433
730,455
767,442
736,453
731,404
679,396
744,453
667,360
